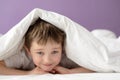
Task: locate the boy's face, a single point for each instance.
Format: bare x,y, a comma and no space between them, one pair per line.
46,56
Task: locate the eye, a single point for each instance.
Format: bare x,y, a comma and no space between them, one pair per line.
54,52
40,53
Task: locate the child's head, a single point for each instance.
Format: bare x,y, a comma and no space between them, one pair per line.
44,42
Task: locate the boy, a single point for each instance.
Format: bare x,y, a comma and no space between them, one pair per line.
43,53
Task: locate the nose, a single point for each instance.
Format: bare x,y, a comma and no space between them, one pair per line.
47,59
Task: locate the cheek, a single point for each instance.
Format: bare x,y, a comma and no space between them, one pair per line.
36,60
57,59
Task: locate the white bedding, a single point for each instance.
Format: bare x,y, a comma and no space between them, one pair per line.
98,50
83,76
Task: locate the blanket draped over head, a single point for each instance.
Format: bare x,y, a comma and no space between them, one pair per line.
86,48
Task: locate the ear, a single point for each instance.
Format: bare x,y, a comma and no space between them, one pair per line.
27,50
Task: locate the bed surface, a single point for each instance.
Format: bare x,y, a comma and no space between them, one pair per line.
82,76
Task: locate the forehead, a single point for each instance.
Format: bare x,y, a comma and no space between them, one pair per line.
49,44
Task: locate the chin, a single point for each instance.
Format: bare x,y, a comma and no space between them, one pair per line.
47,69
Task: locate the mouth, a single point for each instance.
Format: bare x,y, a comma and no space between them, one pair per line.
47,65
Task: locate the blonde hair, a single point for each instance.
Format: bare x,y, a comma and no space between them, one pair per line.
42,31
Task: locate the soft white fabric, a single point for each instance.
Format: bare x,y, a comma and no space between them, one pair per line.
81,46
112,43
86,76
103,33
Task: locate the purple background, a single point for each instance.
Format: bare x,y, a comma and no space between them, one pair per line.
92,14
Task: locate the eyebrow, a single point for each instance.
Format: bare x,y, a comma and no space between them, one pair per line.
37,49
43,49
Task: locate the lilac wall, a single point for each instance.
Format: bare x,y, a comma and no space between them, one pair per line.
91,14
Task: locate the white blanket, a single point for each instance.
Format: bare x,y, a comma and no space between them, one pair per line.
86,76
82,46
